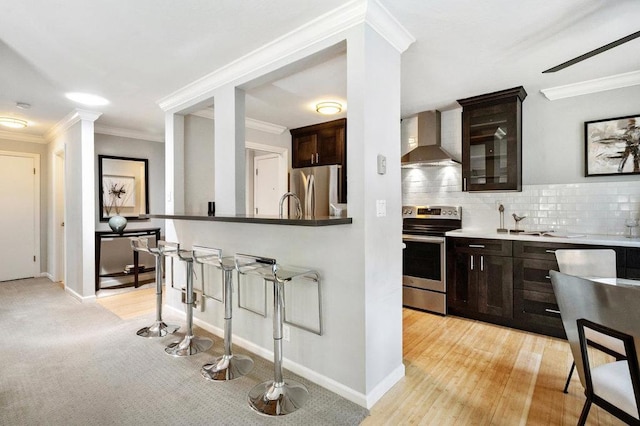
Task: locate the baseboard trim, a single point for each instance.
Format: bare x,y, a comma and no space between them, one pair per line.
83,299
366,401
384,386
47,275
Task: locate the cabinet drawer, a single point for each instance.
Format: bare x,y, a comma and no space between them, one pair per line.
538,312
482,246
533,274
544,251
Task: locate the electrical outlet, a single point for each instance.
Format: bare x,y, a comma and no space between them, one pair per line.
286,333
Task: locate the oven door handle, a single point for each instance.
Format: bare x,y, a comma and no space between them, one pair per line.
423,239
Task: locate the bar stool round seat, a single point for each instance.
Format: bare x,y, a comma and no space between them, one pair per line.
190,344
279,396
159,328
228,366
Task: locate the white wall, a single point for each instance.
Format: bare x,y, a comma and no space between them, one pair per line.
75,135
360,354
199,158
37,148
555,193
135,148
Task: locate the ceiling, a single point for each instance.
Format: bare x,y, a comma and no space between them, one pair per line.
135,53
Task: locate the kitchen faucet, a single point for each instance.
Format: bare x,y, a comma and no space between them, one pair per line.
296,201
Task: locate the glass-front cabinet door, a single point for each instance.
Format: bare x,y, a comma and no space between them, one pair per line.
491,141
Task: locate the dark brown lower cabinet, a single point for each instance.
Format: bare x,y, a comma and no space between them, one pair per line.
508,283
480,279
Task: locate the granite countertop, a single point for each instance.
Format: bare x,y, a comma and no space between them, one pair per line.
265,220
571,238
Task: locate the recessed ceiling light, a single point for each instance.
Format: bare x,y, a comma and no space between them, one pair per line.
14,123
328,108
87,99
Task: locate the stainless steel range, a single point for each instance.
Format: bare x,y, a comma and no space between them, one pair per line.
424,262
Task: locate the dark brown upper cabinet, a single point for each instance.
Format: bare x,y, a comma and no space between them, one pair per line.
319,145
492,141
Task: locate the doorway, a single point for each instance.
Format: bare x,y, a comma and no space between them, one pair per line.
58,273
267,178
20,195
266,190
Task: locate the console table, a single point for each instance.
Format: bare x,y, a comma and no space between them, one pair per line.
100,235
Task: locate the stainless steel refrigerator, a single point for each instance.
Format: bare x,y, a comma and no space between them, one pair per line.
318,188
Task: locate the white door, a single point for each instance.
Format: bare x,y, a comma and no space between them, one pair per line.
266,191
18,214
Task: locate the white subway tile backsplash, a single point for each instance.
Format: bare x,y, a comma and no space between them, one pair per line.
593,208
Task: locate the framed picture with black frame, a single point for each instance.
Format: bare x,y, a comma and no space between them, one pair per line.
612,146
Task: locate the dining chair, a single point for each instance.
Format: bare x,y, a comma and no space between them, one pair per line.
610,310
593,263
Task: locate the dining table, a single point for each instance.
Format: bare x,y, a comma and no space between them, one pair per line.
616,281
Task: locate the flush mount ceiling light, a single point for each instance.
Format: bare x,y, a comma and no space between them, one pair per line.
14,123
87,99
328,108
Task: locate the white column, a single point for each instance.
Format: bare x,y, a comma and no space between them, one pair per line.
174,163
373,82
230,180
76,133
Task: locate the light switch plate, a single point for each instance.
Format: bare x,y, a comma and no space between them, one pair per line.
381,208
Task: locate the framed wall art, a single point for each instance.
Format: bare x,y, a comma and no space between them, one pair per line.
123,187
611,146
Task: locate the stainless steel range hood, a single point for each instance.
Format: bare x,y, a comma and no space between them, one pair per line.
421,133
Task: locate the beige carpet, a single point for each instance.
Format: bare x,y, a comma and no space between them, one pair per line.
68,363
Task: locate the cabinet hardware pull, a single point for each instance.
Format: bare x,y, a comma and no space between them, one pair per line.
472,262
464,184
550,251
552,311
547,277
317,158
476,246
482,263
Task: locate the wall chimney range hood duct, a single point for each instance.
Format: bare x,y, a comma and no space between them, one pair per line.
421,133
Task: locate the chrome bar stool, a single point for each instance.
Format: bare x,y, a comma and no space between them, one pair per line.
159,328
227,366
190,344
276,397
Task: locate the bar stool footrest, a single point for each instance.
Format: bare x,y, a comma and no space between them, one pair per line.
189,345
227,367
158,329
278,399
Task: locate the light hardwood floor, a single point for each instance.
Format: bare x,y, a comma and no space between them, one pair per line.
461,372
132,303
464,372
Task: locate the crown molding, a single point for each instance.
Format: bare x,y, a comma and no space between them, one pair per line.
264,126
385,24
617,81
250,123
72,118
322,28
127,133
22,137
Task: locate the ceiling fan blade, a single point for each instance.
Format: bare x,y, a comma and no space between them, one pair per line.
593,52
